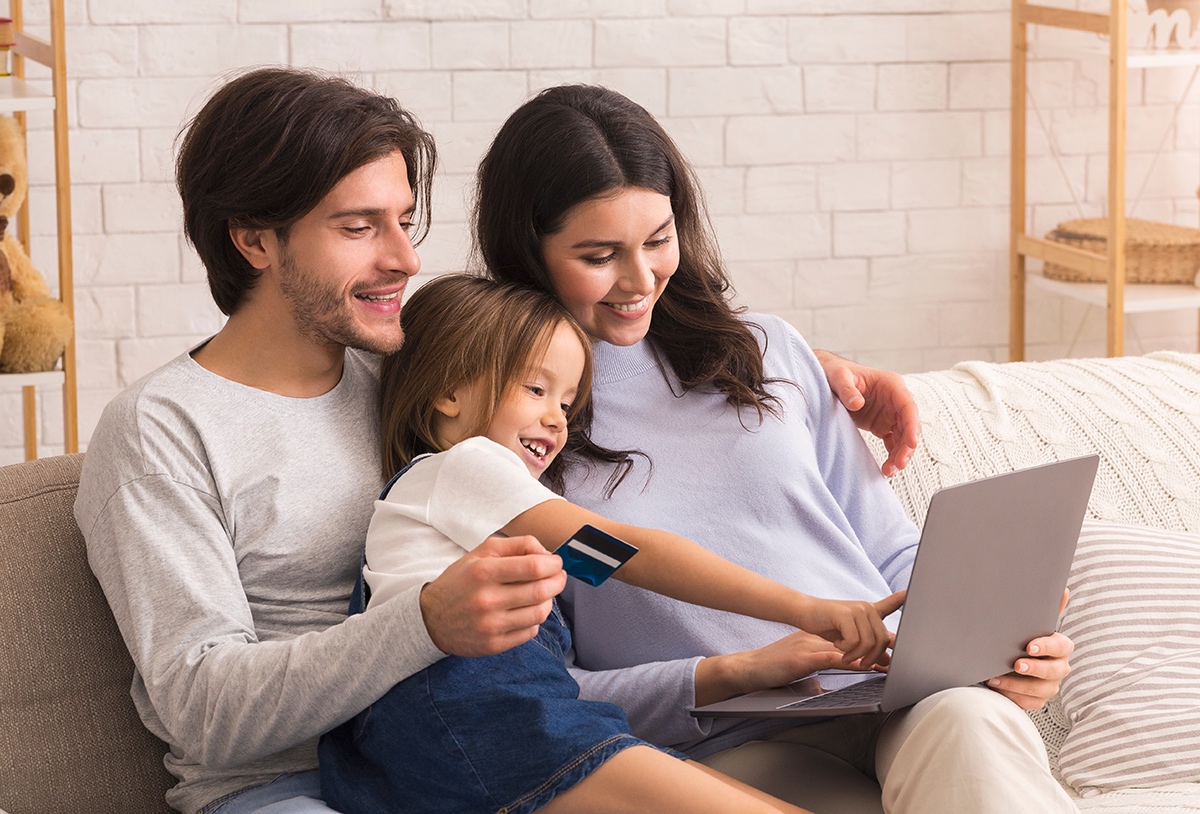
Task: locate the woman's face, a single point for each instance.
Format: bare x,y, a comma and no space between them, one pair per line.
611,261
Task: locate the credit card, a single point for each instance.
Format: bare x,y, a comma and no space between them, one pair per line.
592,555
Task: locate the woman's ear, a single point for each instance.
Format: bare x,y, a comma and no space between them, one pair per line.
256,245
448,405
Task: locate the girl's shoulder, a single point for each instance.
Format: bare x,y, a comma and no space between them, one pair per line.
482,459
476,465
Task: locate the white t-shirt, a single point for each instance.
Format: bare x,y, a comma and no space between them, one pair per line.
444,505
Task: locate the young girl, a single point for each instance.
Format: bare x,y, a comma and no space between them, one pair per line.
476,407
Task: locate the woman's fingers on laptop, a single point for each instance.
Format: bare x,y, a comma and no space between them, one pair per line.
1036,677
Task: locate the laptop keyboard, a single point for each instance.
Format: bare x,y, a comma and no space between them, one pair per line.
864,692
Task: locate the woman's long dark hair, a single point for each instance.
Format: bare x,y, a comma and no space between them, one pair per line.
573,143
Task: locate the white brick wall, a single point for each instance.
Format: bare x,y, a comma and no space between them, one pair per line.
854,153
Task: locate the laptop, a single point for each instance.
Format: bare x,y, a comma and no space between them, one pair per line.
988,577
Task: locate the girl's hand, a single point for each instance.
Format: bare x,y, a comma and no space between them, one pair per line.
776,665
856,628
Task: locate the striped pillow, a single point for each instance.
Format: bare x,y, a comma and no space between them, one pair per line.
1133,695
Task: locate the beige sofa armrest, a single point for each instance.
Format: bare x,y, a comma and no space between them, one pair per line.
69,735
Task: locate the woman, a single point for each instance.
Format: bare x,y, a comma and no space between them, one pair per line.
741,448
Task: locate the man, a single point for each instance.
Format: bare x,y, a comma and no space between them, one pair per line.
225,497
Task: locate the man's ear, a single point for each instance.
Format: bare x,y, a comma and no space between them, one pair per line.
448,405
256,245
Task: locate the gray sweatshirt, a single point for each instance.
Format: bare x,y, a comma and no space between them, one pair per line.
225,525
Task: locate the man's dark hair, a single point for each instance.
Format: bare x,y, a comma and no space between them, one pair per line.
269,145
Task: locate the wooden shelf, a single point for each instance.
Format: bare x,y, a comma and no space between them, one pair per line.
1134,58
16,98
1102,37
17,95
15,381
1140,298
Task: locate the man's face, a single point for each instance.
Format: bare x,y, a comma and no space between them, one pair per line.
343,267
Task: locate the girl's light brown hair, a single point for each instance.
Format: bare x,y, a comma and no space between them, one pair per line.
460,329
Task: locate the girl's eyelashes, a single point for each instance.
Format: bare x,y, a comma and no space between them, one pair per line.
600,261
540,392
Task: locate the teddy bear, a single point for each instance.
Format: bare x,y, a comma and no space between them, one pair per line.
34,326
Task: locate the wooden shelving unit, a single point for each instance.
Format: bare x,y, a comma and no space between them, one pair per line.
1116,296
17,98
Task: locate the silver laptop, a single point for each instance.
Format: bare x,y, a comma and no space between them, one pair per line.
988,577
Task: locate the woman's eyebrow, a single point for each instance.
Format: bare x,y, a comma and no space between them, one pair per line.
596,244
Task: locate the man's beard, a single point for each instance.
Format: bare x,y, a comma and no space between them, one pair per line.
322,313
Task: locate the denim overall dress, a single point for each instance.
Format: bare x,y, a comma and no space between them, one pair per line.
502,733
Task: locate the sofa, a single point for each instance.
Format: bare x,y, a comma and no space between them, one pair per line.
1123,735
71,741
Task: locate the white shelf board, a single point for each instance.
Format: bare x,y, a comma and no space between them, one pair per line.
1134,57
1140,298
17,95
15,381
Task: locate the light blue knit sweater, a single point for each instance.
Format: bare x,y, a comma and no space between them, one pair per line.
798,498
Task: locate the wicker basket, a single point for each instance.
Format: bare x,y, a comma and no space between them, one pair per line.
1154,252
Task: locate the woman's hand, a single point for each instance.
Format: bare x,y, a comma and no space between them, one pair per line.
879,402
1035,680
776,665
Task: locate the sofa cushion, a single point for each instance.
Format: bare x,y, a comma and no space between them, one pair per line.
1140,413
70,739
1133,695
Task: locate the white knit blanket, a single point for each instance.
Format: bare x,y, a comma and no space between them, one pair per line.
1140,414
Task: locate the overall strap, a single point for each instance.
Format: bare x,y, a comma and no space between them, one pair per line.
362,592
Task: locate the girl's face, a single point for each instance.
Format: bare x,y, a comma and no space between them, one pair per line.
611,261
532,417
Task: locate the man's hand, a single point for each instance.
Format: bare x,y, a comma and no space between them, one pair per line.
1034,680
880,403
492,598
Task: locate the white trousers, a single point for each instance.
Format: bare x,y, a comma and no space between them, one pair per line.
962,751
